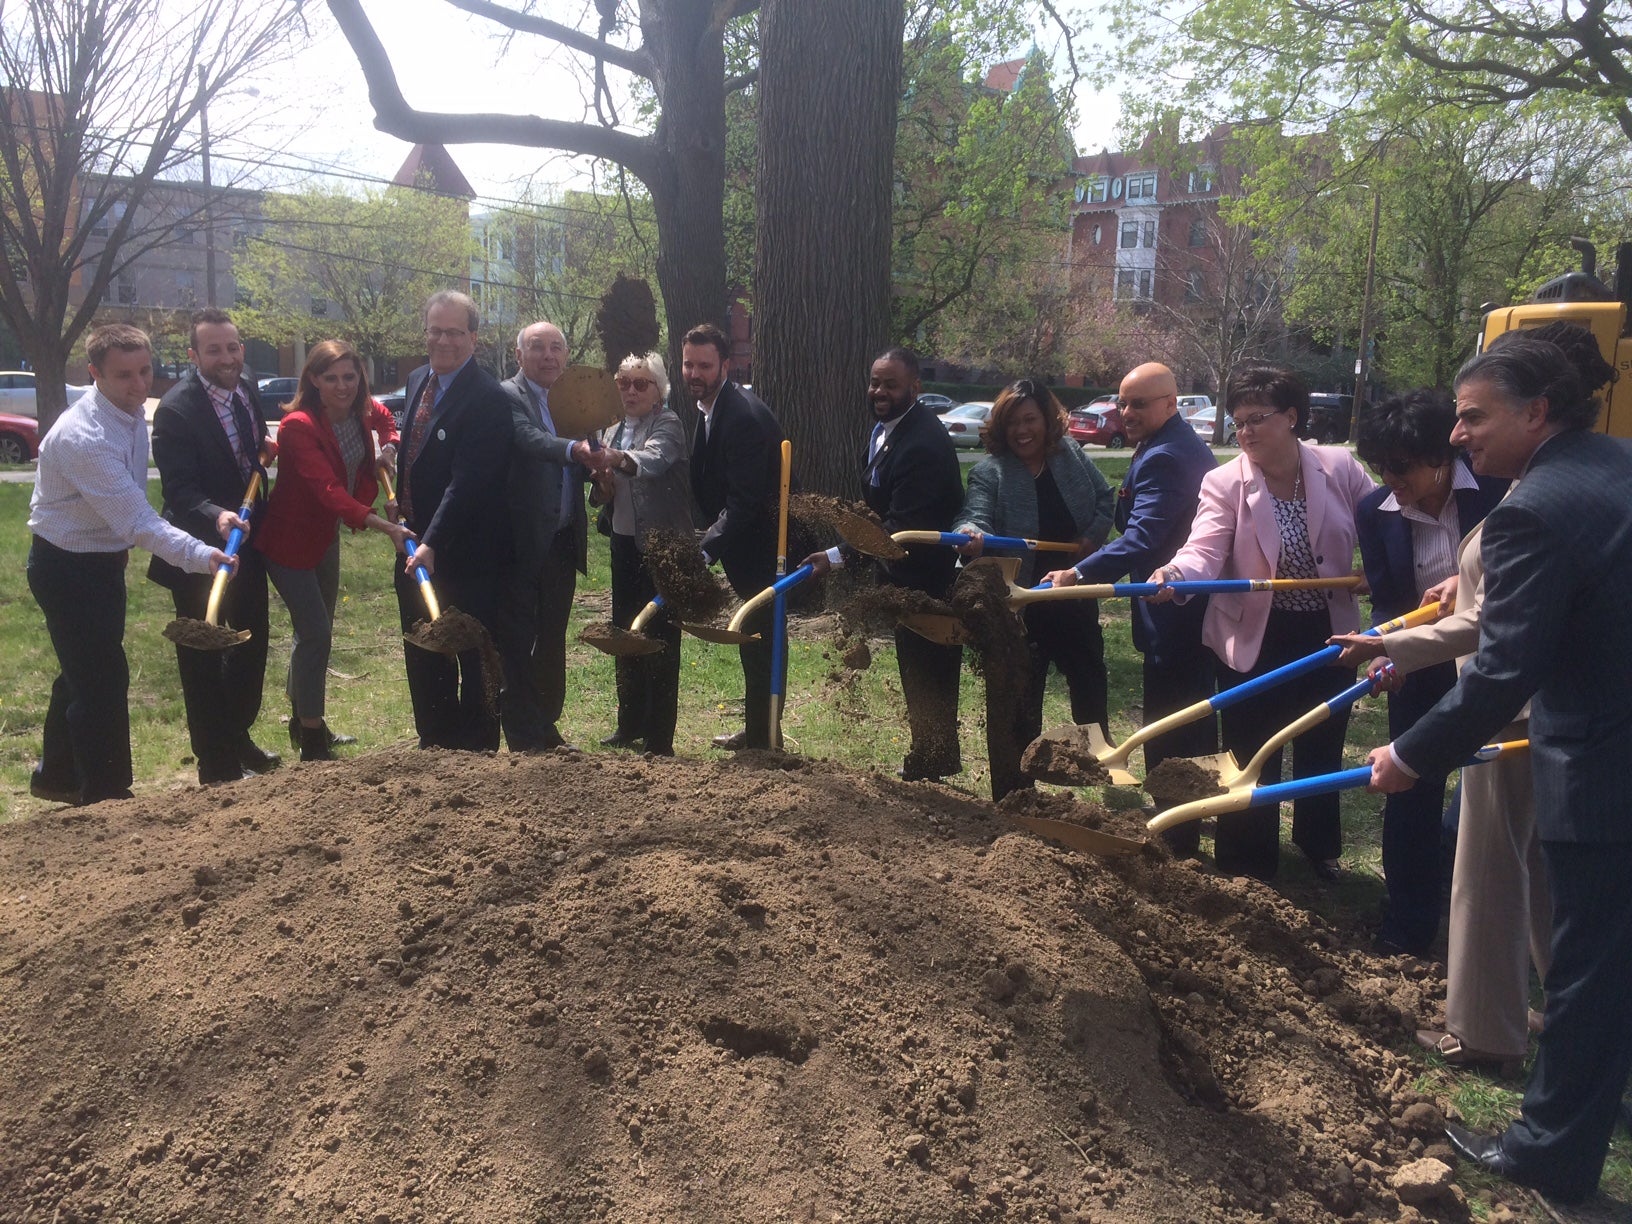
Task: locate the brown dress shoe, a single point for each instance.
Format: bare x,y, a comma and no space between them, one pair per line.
1449,1047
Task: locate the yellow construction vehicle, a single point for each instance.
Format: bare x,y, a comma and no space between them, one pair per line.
1580,297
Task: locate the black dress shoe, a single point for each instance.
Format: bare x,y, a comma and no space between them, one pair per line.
255,758
339,739
621,739
1487,1153
51,792
734,742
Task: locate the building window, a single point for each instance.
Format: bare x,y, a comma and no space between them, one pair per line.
1130,233
186,290
320,308
1099,233
1124,283
1150,233
1198,233
1144,283
103,226
126,288
1195,287
1201,180
1095,189
240,240
1142,186
186,235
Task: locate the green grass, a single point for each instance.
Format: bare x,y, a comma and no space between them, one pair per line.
860,722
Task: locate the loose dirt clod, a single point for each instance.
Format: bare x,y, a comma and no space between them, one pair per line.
682,577
201,635
1177,780
856,525
1064,757
610,639
433,985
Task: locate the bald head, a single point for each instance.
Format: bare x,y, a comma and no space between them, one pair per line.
1149,396
541,351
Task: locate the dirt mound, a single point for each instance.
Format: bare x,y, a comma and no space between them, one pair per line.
431,986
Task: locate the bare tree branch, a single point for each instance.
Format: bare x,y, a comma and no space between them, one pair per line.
636,60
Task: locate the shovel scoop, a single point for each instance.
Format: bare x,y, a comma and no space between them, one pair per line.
209,634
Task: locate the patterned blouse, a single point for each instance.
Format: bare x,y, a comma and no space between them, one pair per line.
1297,557
354,448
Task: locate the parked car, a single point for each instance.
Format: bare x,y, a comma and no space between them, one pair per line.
19,438
1329,414
17,393
396,403
275,396
1189,405
1202,422
938,403
965,423
1098,423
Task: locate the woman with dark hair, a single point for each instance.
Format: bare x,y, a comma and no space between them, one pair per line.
1280,510
1410,530
327,457
1039,484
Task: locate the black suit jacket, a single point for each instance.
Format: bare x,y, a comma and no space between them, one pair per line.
539,462
1385,543
457,482
197,469
919,488
1554,624
736,466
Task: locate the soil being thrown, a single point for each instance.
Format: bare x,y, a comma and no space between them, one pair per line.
453,633
607,637
856,525
980,599
418,986
682,577
1064,756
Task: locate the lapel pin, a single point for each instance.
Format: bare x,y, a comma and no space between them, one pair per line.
441,435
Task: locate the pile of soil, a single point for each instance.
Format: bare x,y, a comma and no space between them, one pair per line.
1064,756
689,590
427,986
1177,780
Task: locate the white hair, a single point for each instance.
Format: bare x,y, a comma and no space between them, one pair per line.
653,365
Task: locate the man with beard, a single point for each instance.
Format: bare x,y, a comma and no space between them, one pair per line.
552,547
913,483
208,440
736,461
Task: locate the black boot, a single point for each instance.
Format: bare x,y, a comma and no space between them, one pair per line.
314,743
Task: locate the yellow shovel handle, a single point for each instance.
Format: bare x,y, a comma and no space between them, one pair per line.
782,512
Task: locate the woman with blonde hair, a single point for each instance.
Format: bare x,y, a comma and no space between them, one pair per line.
330,443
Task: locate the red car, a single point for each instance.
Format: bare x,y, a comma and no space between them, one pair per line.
19,438
1099,422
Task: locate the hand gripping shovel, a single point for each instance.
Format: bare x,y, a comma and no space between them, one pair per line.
446,632
1107,845
1115,759
208,634
1222,766
948,631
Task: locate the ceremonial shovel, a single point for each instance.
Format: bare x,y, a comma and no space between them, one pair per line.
208,634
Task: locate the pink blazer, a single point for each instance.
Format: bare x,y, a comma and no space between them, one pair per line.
1234,536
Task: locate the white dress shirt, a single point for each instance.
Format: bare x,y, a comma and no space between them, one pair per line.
90,493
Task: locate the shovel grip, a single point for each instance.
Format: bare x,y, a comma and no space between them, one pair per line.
645,615
774,591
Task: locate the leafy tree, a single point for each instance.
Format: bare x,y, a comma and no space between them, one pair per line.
99,99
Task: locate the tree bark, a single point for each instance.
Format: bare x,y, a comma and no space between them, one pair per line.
829,84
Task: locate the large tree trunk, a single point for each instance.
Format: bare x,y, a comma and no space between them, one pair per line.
829,83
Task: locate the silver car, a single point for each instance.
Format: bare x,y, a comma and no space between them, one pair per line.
965,423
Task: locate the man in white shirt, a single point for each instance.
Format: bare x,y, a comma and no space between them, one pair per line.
89,507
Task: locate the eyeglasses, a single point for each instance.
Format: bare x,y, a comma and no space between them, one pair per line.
1255,420
456,334
1139,403
632,384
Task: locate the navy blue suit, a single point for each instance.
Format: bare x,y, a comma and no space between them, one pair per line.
1154,507
1412,859
1554,629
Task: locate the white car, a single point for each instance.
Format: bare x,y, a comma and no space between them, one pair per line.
17,393
965,422
1189,405
1202,423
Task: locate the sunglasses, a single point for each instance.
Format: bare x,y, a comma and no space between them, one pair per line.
632,384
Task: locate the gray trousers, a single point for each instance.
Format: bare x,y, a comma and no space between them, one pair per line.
310,596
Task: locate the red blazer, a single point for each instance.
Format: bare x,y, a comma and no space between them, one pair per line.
311,493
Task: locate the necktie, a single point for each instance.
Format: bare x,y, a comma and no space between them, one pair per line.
416,441
246,434
875,448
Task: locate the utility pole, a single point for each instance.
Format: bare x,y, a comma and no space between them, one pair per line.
209,193
1362,363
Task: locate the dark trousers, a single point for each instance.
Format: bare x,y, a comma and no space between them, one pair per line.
222,688
87,724
1413,820
535,604
1585,1052
1066,634
450,706
1249,842
746,582
648,685
930,674
1176,680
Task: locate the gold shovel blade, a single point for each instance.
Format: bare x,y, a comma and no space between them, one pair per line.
620,643
201,635
1076,837
725,637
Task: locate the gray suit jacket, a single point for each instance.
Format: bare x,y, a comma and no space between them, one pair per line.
1002,500
1558,582
539,462
660,490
